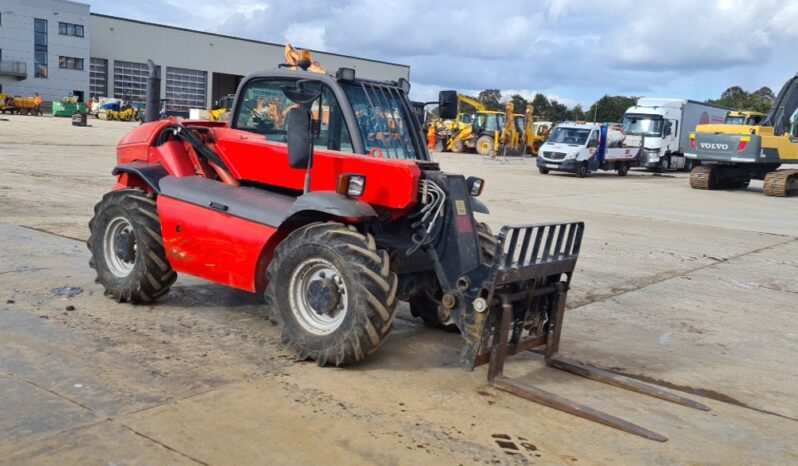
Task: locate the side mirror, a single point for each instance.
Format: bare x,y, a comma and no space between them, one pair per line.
298,127
447,105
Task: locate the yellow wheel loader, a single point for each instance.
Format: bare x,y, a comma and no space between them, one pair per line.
479,130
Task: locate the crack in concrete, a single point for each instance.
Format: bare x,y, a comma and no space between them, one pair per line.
52,392
661,278
164,445
42,230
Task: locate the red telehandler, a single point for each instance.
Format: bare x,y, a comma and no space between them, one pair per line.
319,195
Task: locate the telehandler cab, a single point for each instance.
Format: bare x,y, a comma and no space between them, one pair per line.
320,196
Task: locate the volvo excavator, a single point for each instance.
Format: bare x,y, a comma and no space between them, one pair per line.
732,155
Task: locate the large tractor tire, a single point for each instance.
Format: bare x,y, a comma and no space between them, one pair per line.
423,306
127,247
458,146
484,145
332,292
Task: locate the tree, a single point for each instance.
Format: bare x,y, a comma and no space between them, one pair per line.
541,104
558,111
577,114
761,100
491,98
610,108
737,98
519,103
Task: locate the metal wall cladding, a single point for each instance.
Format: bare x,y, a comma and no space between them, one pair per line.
133,41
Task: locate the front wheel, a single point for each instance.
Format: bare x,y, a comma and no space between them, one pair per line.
484,145
127,247
543,171
581,170
664,164
332,292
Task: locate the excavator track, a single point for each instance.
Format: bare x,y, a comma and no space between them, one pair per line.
702,177
781,183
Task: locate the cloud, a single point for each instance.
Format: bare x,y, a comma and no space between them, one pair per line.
576,49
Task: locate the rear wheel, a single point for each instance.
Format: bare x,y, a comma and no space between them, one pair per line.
623,169
484,145
332,292
458,146
127,247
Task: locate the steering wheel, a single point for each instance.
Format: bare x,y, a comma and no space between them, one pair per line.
376,152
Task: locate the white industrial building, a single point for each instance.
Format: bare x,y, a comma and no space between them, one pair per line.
59,48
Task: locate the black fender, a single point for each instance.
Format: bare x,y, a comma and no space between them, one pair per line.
148,172
479,206
332,203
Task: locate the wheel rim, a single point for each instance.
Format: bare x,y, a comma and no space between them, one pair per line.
119,247
318,296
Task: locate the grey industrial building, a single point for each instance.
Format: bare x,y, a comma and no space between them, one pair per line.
59,48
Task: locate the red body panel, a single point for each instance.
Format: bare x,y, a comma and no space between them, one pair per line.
135,145
389,183
212,245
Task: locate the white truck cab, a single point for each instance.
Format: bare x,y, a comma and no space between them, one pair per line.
662,127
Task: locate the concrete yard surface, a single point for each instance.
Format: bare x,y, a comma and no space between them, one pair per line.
696,291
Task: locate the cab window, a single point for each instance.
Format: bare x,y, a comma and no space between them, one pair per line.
594,139
264,108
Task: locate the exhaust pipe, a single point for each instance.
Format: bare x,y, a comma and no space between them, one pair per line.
153,102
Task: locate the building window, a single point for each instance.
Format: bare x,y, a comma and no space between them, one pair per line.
40,47
70,63
98,77
68,29
185,89
130,80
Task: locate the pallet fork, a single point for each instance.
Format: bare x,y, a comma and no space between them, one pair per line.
527,288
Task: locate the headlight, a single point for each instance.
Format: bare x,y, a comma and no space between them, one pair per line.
571,156
475,185
351,185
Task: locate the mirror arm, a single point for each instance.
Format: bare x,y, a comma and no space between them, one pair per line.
312,137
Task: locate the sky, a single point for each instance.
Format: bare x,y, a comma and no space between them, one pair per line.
572,50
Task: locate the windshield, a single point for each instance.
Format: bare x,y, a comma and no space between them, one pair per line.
562,135
648,125
735,120
383,120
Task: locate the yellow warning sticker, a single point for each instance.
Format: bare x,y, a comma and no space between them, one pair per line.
460,206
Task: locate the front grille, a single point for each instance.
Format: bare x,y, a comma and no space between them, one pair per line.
554,155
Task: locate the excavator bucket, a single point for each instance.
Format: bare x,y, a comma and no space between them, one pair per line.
525,295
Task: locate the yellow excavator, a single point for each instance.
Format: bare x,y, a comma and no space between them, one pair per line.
479,130
734,117
732,155
511,141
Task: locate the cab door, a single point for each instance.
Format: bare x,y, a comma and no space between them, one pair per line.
255,147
